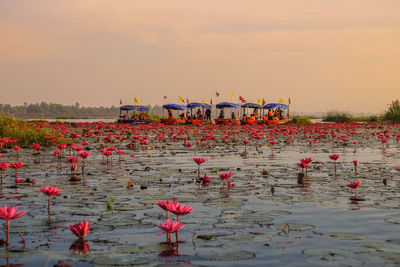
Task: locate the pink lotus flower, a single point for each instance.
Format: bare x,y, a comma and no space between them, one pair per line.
9,213
72,160
176,208
16,166
19,180
80,229
225,176
205,179
3,167
50,191
307,160
170,227
199,160
334,157
84,155
17,148
165,204
354,185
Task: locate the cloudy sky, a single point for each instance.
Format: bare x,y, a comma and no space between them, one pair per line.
323,54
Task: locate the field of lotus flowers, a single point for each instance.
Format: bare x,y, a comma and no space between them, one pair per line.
324,194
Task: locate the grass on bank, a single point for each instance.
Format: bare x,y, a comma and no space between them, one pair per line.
27,132
343,117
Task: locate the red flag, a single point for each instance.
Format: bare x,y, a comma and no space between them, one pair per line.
242,99
211,101
290,102
120,101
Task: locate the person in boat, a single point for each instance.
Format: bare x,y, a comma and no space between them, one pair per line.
244,116
208,114
134,115
265,117
233,115
270,114
221,114
280,114
198,115
170,114
126,116
142,116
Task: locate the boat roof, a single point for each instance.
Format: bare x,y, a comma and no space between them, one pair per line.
251,105
227,105
135,107
196,104
276,105
174,107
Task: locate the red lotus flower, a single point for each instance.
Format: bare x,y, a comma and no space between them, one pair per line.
72,159
354,185
9,213
307,160
225,176
176,208
199,160
16,166
80,229
61,146
51,191
84,155
205,179
170,227
334,157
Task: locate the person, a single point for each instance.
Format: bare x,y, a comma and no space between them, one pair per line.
233,115
221,114
142,116
198,114
208,114
280,114
244,116
170,114
270,114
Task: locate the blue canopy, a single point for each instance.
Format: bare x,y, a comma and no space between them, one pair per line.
251,105
276,105
131,107
175,107
201,105
227,105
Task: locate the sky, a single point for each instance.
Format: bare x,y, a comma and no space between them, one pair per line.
325,55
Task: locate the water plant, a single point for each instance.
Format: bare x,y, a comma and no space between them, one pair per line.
334,157
199,161
50,191
354,185
9,213
80,229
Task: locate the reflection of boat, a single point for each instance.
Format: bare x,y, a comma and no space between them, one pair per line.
221,118
273,120
201,116
252,119
133,117
171,119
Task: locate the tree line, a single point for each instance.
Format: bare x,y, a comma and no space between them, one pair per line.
53,111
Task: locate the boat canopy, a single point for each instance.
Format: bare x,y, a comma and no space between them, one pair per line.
276,105
175,107
201,105
227,105
251,105
135,107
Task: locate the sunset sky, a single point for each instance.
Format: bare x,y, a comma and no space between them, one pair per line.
323,54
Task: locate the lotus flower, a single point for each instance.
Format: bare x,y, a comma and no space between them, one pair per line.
334,157
80,229
50,191
354,185
9,213
199,161
16,166
170,227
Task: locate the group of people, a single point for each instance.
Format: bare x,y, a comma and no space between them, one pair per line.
197,116
134,116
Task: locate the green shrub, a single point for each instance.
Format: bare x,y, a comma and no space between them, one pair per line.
301,120
27,132
393,112
336,116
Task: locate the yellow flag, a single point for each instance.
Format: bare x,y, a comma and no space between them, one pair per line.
204,101
259,100
281,101
233,95
137,100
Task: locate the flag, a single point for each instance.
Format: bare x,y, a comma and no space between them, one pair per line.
259,100
182,99
290,102
242,99
137,101
211,101
233,95
281,101
204,101
263,103
120,101
165,97
187,100
217,94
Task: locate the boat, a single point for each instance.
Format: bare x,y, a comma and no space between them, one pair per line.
134,117
181,119
251,119
201,116
221,118
276,108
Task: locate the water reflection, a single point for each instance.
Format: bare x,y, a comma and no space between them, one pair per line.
80,247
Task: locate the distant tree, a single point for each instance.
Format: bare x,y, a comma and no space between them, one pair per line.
393,112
